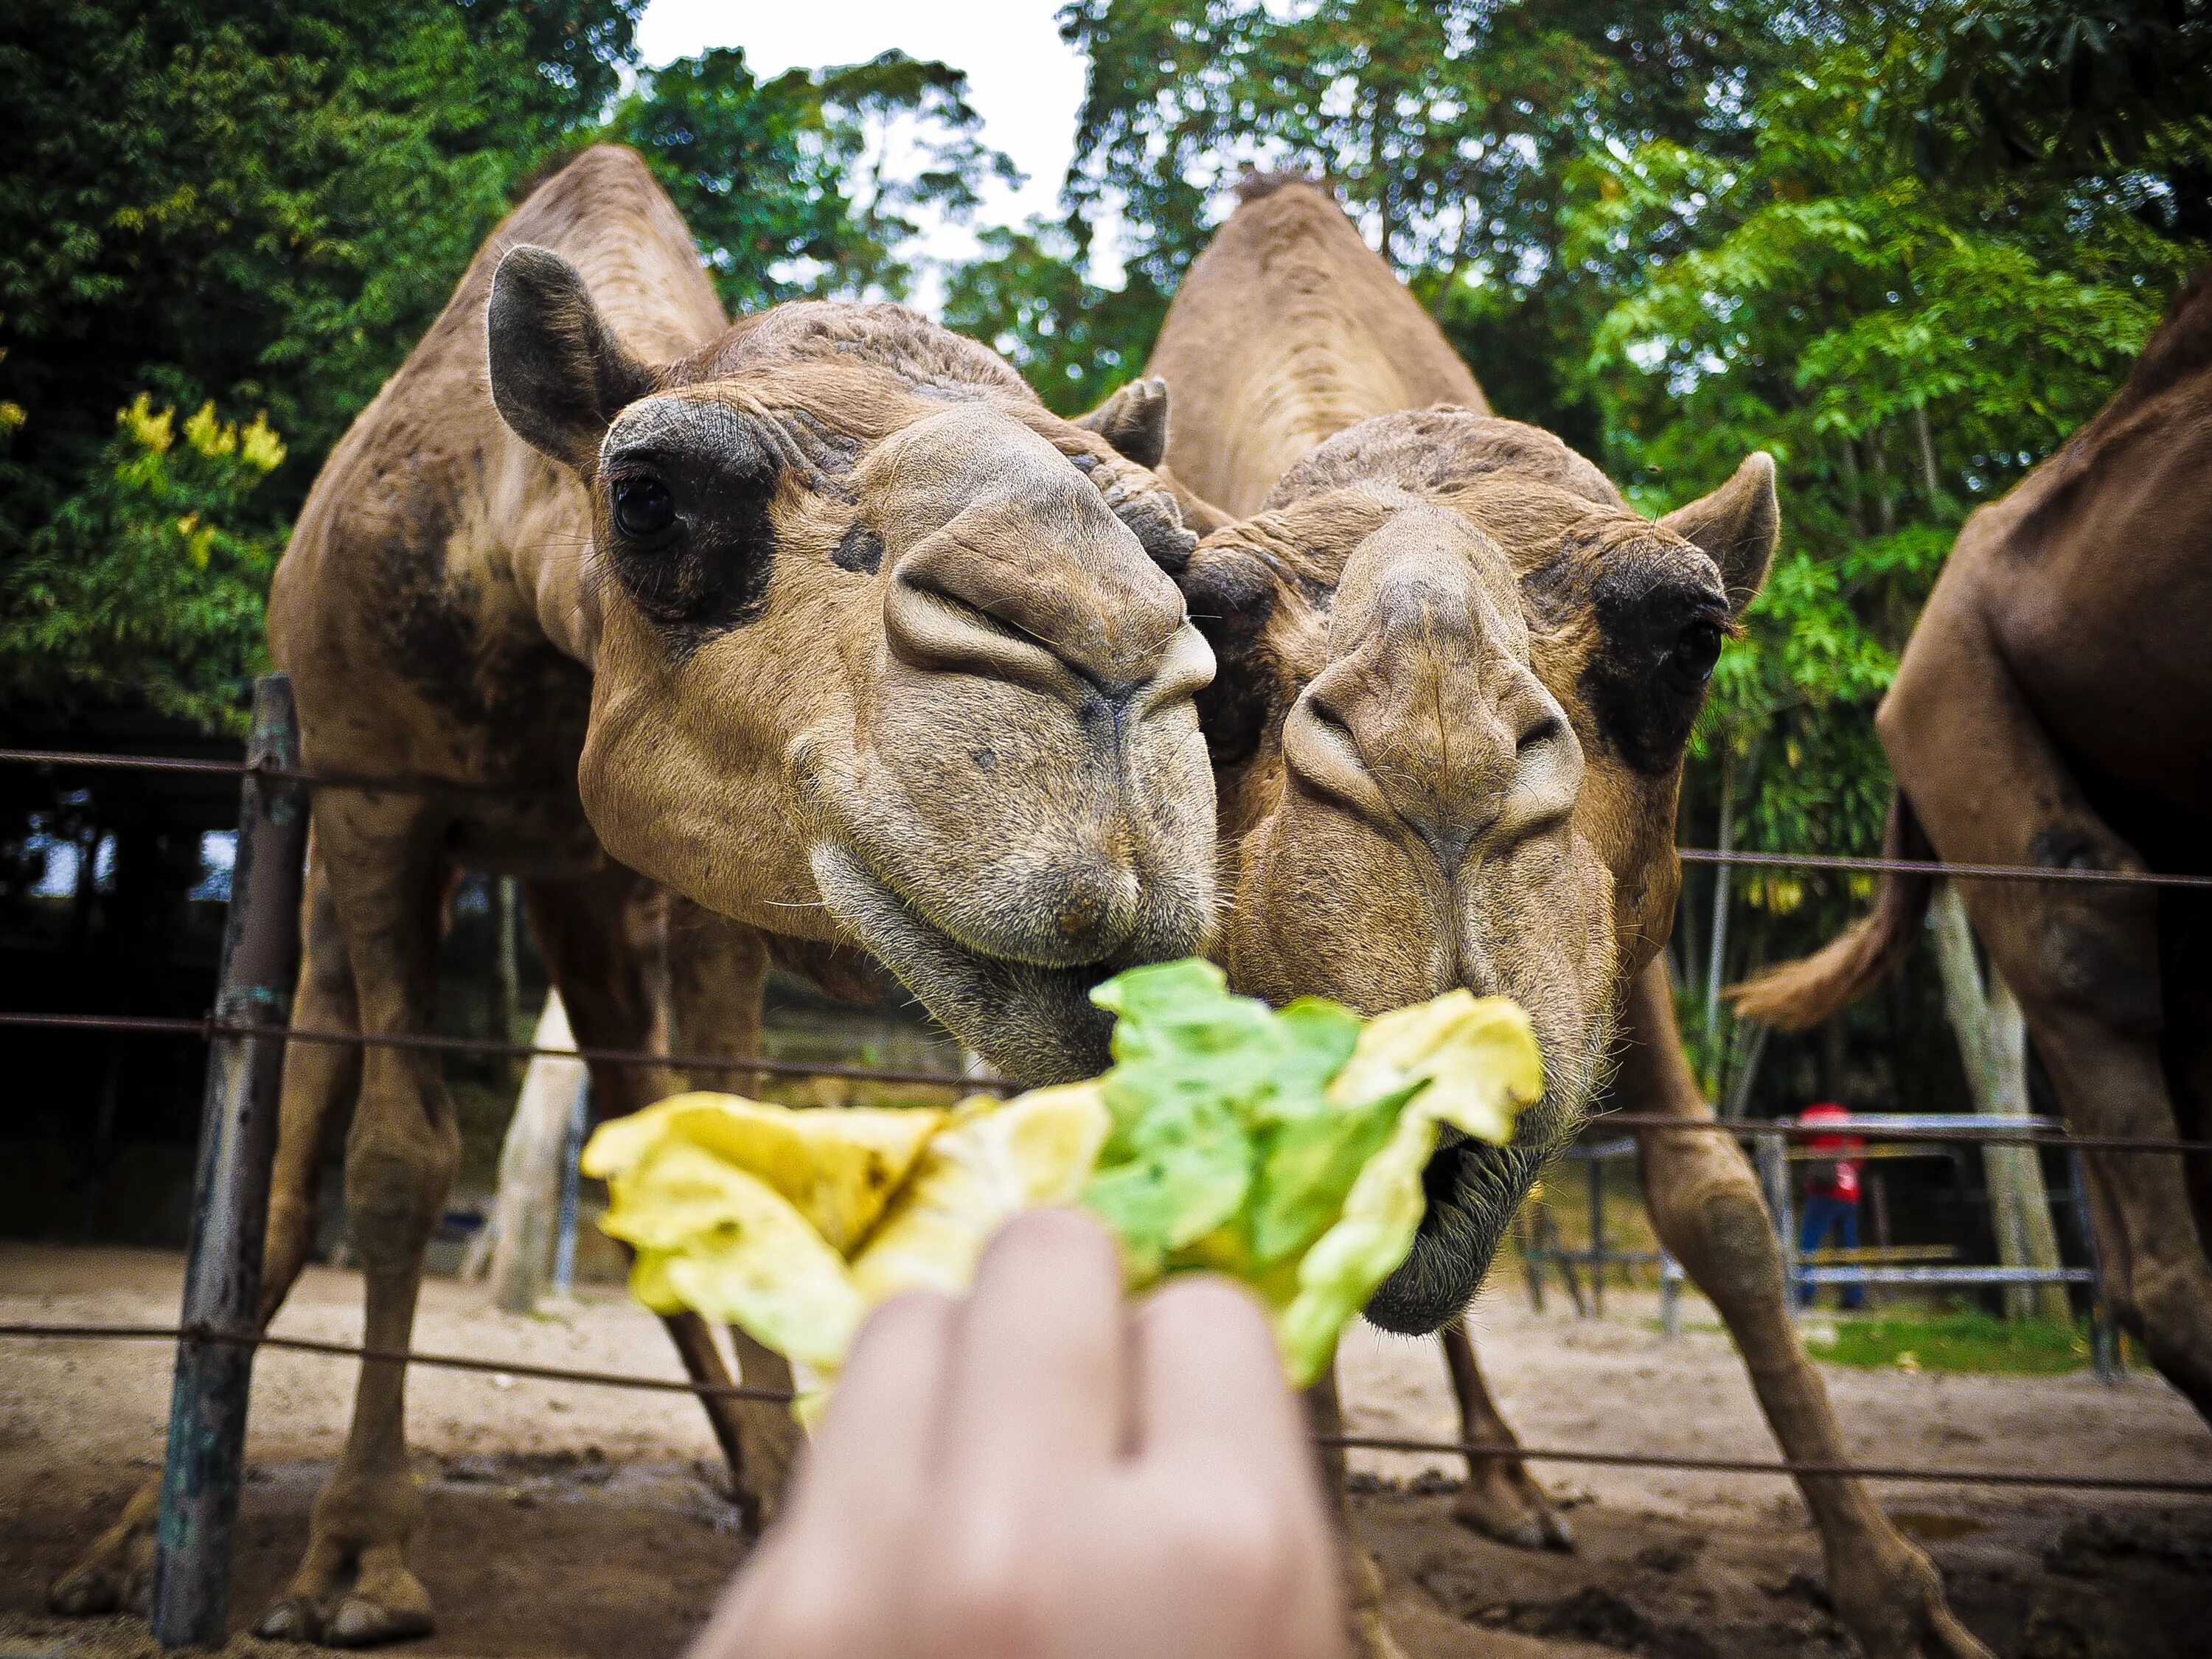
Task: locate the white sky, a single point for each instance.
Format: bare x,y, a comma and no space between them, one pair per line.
1023,80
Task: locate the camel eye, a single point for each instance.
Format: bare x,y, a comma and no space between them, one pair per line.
643,507
1690,664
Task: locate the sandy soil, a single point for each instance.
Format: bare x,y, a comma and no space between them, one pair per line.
575,1521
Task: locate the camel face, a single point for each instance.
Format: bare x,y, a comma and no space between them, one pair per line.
876,657
1457,678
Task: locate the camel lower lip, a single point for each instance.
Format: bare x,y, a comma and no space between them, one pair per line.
1036,1023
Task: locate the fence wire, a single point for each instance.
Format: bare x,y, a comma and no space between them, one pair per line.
207,1027
90,761
1468,1449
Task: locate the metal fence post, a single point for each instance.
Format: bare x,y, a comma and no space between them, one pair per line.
1773,1162
201,1474
2104,1346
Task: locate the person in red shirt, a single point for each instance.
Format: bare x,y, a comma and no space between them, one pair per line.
1832,1195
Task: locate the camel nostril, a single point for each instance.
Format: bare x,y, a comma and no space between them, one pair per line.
1448,847
1545,729
1079,916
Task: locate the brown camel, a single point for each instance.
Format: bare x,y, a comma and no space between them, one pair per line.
2054,708
821,620
1456,677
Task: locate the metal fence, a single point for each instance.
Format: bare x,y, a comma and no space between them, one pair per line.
247,1032
1885,1139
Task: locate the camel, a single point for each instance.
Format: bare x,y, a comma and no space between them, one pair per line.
1456,676
2053,707
820,621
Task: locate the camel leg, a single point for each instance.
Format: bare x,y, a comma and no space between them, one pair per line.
1364,1587
717,972
597,939
2184,934
354,1587
2084,962
320,1080
1501,1500
1706,1205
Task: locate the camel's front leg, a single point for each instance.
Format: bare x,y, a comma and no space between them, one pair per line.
1706,1205
1369,1630
1501,1500
717,974
354,1588
603,937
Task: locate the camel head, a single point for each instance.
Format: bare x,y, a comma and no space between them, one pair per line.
1457,677
883,650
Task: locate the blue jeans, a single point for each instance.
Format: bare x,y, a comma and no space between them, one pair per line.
1825,1214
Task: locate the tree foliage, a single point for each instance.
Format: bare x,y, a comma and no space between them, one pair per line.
1029,297
147,586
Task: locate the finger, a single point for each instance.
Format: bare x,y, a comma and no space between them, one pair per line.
1039,1377
869,1467
1207,1377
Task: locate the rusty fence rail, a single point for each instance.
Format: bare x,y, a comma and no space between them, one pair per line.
208,1027
1468,1449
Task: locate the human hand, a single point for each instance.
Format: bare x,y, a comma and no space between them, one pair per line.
1042,1472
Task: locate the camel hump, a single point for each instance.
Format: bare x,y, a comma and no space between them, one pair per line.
604,212
2181,346
1254,185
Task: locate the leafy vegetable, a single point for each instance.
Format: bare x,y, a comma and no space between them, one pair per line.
1285,1148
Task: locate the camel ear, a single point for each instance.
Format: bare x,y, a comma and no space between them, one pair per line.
559,377
1134,421
1737,526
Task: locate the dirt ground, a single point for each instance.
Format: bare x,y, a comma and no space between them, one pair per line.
570,1521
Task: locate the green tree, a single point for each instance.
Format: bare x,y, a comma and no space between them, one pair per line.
1027,295
254,204
1907,344
147,587
2114,87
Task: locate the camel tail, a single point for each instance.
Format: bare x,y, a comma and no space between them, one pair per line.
1796,994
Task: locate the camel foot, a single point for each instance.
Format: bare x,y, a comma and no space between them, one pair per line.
360,1603
1895,1607
1505,1502
116,1573
1370,1635
94,1586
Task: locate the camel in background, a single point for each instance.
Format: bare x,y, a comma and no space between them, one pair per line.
2053,707
822,621
1456,677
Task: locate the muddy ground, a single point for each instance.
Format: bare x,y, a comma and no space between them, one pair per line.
568,1521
